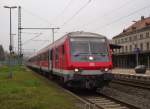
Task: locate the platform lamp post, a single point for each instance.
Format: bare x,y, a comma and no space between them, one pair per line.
13,50
10,46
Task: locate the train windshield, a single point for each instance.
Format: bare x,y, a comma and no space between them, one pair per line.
89,49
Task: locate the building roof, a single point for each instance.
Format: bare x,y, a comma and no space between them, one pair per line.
138,25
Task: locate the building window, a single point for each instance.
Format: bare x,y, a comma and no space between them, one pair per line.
125,39
147,34
130,39
126,47
135,37
115,41
135,46
141,36
121,40
130,47
122,49
141,46
147,45
116,51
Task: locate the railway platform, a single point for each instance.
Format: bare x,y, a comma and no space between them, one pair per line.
127,71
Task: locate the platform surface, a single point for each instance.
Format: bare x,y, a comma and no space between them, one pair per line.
127,71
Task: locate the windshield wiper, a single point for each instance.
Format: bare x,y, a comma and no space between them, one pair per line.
77,54
102,54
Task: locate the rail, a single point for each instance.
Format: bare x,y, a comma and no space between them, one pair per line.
134,77
100,101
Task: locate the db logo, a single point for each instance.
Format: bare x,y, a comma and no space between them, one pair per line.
91,64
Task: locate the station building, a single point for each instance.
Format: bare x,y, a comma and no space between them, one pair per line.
135,45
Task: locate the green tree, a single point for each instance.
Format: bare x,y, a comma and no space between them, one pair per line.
2,54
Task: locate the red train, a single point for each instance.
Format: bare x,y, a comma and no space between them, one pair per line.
78,59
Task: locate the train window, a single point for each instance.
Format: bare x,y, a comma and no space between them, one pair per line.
41,57
50,55
82,48
53,54
46,55
63,49
35,58
56,54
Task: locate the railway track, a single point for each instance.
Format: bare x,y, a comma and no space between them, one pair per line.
105,102
138,81
102,102
141,85
131,91
95,100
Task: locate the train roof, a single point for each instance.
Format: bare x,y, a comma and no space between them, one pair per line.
84,34
71,34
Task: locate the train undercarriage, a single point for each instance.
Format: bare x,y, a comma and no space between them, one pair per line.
89,82
78,81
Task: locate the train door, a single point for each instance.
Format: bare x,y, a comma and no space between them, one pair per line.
39,62
57,58
50,60
62,56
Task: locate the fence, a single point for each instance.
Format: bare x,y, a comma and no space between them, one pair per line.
11,61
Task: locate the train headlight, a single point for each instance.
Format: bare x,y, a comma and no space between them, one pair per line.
76,70
106,69
91,58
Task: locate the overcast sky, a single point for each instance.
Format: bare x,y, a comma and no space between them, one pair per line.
106,17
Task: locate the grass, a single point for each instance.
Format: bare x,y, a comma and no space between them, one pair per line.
27,90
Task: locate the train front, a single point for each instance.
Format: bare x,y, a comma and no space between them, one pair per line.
90,60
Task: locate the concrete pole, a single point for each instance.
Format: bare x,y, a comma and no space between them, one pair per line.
10,46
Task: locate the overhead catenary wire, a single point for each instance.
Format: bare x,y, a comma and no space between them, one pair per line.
38,34
32,38
29,33
36,15
76,13
123,17
41,40
107,13
45,20
63,11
